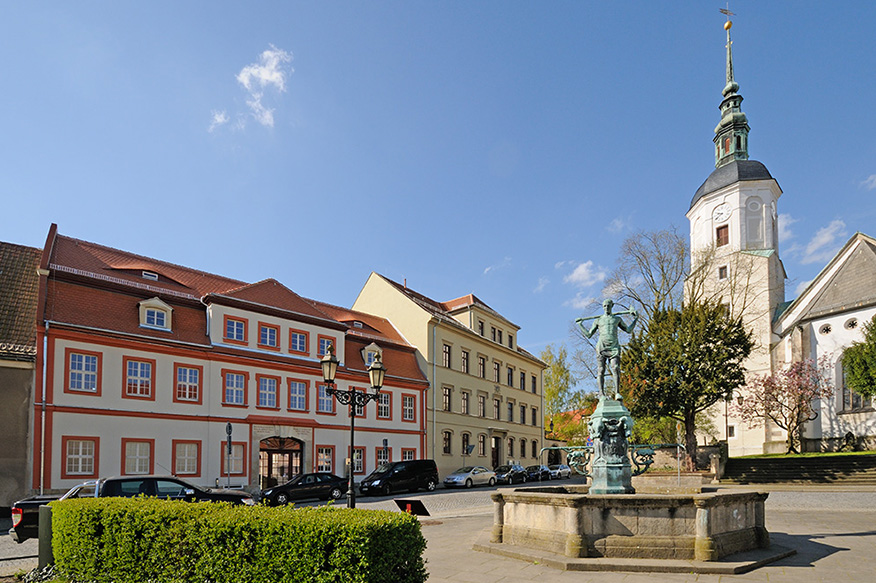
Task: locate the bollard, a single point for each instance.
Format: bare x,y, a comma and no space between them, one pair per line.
46,555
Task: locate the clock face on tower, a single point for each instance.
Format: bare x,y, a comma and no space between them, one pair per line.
721,213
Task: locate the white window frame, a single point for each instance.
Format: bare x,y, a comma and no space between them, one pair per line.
184,380
299,396
79,457
138,455
235,388
138,378
268,392
83,372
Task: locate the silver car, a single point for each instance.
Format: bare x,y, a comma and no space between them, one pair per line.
559,471
469,476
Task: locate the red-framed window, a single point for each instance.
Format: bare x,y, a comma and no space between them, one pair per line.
186,457
409,453
234,388
269,392
384,405
81,457
83,370
325,458
238,458
139,376
382,455
138,456
187,383
299,394
269,336
235,330
409,408
299,341
358,459
325,403
324,342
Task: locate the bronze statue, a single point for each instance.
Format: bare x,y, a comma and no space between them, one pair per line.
608,347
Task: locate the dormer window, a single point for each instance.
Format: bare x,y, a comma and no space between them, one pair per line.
150,275
357,324
155,314
370,352
157,318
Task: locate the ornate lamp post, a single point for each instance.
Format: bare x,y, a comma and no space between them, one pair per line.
354,399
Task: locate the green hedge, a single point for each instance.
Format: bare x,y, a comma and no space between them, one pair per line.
134,540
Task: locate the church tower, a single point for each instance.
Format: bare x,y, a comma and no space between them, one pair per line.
734,246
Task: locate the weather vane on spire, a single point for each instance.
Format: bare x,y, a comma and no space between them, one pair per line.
728,14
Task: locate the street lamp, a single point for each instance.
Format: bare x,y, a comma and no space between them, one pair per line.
354,399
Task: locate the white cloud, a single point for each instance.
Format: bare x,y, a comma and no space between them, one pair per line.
501,265
585,275
785,222
580,301
870,183
560,264
617,225
269,73
801,288
825,243
542,283
220,118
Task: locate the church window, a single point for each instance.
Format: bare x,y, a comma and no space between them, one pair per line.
826,329
853,401
726,145
738,142
851,324
722,236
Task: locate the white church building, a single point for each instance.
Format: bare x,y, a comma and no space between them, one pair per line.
735,252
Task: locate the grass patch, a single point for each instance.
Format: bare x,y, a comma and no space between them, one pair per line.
807,454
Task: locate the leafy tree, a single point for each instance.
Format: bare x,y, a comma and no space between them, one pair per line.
786,397
559,394
683,363
859,362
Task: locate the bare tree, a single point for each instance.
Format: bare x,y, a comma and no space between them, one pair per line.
650,271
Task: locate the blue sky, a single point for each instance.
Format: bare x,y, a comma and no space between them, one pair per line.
503,148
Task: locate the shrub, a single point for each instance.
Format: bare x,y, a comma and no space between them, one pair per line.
132,540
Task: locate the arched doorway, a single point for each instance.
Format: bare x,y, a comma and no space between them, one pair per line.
280,458
497,451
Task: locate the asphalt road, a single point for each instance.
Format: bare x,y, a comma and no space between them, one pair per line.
831,526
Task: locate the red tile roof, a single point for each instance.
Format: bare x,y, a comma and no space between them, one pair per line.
19,286
270,292
93,260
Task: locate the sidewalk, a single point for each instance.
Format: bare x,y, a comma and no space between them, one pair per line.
832,529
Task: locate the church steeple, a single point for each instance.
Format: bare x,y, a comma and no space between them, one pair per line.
731,135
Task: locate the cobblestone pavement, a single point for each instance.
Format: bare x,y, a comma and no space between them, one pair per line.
833,529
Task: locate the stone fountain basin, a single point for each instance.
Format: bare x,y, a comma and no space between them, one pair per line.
567,520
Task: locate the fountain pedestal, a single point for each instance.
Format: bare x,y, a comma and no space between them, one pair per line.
610,427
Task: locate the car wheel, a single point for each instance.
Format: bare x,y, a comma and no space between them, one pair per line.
431,485
492,481
468,483
335,493
282,499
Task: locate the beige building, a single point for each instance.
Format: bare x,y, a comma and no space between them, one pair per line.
486,391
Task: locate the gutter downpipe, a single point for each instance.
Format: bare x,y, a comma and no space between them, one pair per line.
43,411
434,390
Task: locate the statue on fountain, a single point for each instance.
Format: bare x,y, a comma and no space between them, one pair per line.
611,425
608,347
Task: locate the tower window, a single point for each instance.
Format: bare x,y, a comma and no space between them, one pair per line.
726,145
738,142
722,272
722,236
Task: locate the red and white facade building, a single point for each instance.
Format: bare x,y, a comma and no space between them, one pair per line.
142,364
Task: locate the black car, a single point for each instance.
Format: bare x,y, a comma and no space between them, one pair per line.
512,474
320,485
537,473
404,476
25,513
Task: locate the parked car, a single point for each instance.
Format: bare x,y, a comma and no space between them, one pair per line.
469,476
560,471
512,474
25,513
320,485
537,473
409,475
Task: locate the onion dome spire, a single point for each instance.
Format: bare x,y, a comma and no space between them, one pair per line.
731,134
